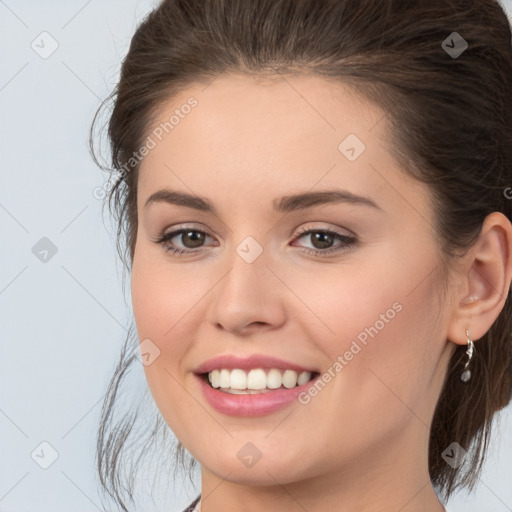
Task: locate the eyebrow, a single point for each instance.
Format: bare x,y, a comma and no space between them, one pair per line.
284,204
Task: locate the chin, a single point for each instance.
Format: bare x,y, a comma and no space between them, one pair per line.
264,472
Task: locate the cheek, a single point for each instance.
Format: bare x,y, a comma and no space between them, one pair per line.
165,298
389,350
377,373
168,306
382,337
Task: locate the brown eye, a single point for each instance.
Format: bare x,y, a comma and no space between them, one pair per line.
322,241
190,239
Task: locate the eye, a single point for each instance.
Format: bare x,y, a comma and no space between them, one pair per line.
190,237
193,239
323,240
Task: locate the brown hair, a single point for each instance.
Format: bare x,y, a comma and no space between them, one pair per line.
451,119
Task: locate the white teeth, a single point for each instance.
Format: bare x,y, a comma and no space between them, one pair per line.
257,380
303,378
274,379
289,379
238,379
225,379
214,378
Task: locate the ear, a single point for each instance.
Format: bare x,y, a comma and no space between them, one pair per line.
485,279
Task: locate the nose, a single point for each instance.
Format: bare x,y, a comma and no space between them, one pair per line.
248,299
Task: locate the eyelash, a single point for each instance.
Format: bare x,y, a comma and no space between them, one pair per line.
347,241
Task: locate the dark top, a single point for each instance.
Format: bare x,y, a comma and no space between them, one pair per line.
191,507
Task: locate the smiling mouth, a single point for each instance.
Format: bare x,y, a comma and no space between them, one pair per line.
256,381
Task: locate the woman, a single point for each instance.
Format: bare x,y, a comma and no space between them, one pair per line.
315,203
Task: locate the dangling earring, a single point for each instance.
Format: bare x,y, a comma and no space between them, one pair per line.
466,374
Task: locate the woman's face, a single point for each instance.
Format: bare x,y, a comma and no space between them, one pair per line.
361,309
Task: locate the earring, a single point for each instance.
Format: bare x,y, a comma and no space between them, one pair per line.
466,374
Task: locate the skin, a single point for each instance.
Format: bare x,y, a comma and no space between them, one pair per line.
361,444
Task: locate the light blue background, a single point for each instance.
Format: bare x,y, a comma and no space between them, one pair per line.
63,322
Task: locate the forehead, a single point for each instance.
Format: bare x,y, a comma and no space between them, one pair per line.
261,120
239,108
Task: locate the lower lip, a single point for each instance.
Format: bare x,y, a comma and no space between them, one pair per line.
251,405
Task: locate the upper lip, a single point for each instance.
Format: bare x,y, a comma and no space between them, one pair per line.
231,362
